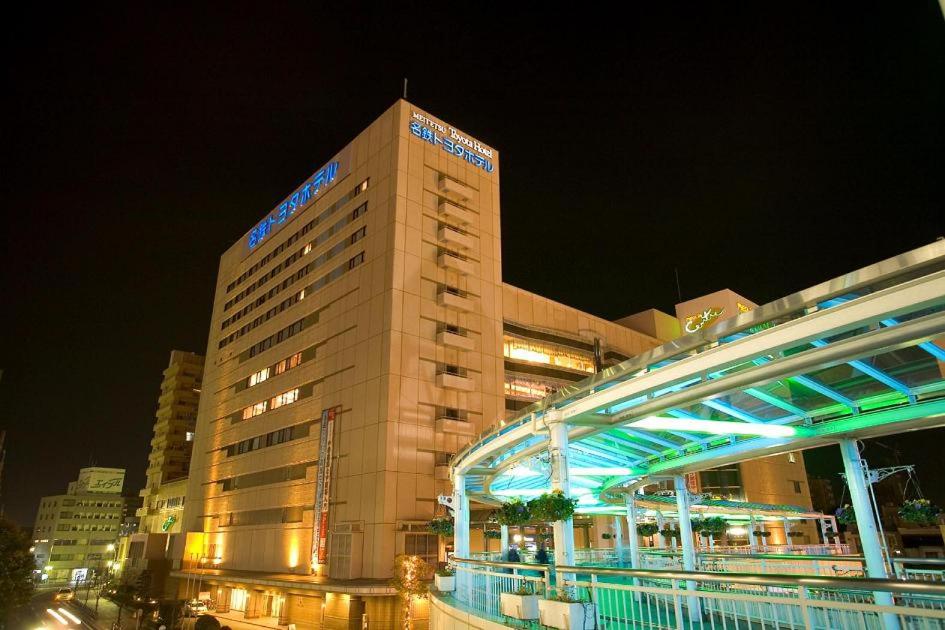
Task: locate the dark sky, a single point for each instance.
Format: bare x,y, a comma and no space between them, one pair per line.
762,148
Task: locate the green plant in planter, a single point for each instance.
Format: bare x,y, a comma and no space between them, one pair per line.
492,534
446,572
920,512
442,526
647,529
513,512
525,588
713,526
552,507
845,515
563,595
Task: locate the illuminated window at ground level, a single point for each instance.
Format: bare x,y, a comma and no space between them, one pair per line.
548,353
530,387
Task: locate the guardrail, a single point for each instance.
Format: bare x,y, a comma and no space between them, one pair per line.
694,600
689,599
922,569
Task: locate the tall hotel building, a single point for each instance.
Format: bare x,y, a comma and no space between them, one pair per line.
361,334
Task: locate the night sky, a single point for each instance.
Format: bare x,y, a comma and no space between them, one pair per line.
763,149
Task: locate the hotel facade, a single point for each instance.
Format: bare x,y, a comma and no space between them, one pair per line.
362,334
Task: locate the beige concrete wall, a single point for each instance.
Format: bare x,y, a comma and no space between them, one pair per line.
771,480
532,310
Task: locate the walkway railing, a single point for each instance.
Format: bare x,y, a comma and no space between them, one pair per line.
924,569
623,599
627,598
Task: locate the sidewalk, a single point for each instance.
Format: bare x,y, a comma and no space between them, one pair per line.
107,612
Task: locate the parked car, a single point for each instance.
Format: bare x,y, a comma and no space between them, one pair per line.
64,594
195,607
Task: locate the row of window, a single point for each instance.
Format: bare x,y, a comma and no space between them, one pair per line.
282,366
273,438
336,273
322,258
291,514
265,260
290,260
285,398
266,477
547,353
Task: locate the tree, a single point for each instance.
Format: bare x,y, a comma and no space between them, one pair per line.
16,569
410,573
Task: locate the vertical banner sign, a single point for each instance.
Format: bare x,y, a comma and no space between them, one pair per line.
692,482
320,533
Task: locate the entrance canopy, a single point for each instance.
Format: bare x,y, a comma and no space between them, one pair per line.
859,356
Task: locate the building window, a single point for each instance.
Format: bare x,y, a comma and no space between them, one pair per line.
259,376
255,410
547,353
189,436
287,398
797,487
791,457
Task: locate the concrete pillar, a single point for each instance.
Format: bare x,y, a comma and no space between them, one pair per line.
866,523
685,538
254,604
504,542
633,538
563,530
618,539
460,517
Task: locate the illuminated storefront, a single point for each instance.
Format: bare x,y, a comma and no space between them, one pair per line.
536,351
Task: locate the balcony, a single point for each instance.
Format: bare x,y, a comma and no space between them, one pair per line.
452,188
455,426
451,261
456,213
455,301
453,236
455,381
454,340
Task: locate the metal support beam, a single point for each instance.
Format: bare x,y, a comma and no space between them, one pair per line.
618,539
685,537
633,537
461,528
504,542
563,530
866,524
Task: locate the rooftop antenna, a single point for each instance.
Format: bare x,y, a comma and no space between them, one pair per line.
405,88
678,289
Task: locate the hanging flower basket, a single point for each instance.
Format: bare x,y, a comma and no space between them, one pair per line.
552,507
441,526
513,512
762,533
666,533
713,526
606,536
845,515
795,534
920,512
647,529
492,534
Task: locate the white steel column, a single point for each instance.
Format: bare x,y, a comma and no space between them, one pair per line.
865,523
618,539
787,530
685,537
633,537
504,542
751,532
563,530
661,523
460,517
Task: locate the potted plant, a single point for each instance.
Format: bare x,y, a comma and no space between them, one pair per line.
521,604
513,512
564,612
441,526
445,580
920,512
845,515
647,529
552,507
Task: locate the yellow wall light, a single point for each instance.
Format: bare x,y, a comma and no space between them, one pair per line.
715,427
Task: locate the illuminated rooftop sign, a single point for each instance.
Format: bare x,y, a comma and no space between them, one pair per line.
299,199
452,141
701,320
